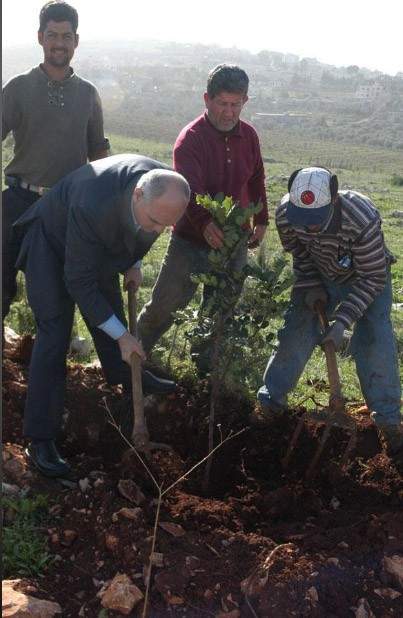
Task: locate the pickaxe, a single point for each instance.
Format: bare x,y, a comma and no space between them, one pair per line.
140,435
335,415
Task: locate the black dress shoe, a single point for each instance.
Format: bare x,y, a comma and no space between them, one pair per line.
45,456
156,386
156,370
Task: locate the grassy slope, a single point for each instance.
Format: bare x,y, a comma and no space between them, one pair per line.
363,168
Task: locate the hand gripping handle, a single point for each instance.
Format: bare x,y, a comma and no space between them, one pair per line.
336,397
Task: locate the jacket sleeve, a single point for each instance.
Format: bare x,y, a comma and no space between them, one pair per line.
370,268
83,263
257,189
188,161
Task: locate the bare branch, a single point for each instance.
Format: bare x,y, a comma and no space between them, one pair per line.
130,445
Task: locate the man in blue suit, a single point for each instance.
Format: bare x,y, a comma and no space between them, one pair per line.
97,222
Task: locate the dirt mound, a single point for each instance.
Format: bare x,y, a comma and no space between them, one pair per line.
329,537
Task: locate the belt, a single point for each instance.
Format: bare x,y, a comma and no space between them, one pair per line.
13,181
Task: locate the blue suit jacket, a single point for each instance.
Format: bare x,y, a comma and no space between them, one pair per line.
81,232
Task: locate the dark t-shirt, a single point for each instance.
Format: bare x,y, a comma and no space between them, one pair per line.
57,125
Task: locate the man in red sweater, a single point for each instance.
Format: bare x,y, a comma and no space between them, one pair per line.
216,153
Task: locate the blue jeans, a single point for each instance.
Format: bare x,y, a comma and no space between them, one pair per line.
373,347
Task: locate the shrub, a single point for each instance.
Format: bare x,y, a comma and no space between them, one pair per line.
24,548
397,180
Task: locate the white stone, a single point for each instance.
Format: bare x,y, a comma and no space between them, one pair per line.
363,610
19,605
80,346
387,593
10,490
10,336
84,485
312,595
394,566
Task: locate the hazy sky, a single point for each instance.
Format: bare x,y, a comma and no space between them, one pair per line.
341,32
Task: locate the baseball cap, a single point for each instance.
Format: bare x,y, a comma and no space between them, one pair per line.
310,198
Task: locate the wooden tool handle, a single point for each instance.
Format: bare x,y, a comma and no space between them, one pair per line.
336,395
139,429
135,359
132,303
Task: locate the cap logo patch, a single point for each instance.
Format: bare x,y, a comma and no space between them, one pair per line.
307,197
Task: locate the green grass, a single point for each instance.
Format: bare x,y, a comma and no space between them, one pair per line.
25,551
370,170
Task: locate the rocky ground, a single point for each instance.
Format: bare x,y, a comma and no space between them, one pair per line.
260,543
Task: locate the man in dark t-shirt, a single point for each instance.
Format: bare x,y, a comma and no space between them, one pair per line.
56,121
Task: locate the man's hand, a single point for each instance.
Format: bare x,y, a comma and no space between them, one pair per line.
257,235
213,235
314,295
129,345
335,335
133,274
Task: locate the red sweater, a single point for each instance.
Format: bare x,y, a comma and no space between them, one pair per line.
216,162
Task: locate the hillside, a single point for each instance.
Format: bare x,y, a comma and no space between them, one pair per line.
150,90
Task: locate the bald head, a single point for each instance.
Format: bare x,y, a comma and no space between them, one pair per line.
160,199
155,183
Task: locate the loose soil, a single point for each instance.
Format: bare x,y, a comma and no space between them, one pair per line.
329,535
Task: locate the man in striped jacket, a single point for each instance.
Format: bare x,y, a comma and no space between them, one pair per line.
340,258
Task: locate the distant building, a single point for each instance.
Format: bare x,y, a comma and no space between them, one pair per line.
291,58
370,91
265,119
274,84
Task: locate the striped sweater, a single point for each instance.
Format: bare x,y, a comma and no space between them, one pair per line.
351,250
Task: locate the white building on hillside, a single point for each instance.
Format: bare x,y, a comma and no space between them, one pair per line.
370,91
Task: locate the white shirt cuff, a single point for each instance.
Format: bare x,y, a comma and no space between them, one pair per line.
113,327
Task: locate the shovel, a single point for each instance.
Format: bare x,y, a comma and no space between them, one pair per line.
140,435
335,415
